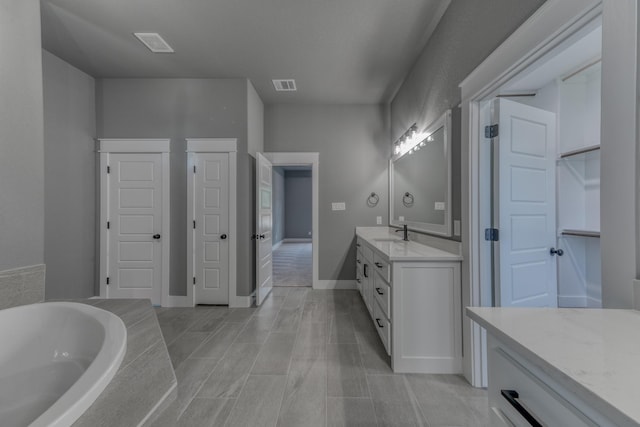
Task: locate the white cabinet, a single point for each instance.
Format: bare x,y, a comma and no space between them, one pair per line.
415,307
519,389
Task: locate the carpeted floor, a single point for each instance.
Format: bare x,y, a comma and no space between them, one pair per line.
292,265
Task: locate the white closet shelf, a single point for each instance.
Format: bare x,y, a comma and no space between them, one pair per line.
581,233
579,151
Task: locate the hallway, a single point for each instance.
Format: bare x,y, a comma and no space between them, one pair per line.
292,265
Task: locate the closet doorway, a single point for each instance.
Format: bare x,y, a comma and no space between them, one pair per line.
542,178
295,219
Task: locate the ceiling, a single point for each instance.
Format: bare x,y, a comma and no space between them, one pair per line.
338,51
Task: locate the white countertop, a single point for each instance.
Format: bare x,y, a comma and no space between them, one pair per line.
391,246
594,353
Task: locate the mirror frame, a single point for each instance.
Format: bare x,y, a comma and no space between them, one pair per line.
425,227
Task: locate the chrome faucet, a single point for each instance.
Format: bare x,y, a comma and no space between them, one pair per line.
405,231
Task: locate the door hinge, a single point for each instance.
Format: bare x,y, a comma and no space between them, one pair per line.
107,280
194,280
194,224
108,169
108,224
491,131
491,234
194,168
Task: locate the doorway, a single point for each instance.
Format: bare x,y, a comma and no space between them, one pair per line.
292,223
544,180
295,222
134,219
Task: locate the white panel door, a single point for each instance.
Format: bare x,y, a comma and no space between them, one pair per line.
525,206
264,222
211,228
135,226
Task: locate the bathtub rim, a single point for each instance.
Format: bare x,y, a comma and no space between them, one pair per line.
86,389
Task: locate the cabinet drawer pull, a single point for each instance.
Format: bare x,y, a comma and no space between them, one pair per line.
358,280
511,396
358,244
378,264
358,261
379,292
365,270
380,325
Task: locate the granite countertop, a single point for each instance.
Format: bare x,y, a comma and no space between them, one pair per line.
145,383
593,353
391,246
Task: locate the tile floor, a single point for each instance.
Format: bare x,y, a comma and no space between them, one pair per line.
305,358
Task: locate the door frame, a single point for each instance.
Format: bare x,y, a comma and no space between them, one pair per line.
313,160
214,145
547,29
151,146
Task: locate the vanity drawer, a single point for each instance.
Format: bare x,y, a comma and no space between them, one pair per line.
383,326
359,282
538,399
382,266
359,261
382,293
367,252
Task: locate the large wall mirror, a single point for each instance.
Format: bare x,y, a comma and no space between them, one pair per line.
420,181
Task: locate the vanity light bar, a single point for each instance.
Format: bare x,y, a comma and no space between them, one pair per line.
411,141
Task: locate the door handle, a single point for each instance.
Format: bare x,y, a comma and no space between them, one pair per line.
261,236
156,236
554,251
379,291
379,265
223,236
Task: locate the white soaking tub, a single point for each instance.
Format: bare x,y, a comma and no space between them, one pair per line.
55,359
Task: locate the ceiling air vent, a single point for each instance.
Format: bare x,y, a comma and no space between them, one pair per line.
284,85
154,42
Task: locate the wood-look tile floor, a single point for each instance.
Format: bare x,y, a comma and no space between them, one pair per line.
292,265
304,358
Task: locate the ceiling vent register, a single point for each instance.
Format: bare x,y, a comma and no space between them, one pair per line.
284,85
154,42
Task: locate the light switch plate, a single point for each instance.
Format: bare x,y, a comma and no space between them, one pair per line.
439,206
338,206
379,220
456,227
400,218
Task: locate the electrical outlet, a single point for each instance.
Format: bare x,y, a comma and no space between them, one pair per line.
439,206
379,220
338,206
456,227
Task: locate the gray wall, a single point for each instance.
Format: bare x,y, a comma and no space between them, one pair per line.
21,140
297,202
468,32
278,204
353,142
179,109
69,170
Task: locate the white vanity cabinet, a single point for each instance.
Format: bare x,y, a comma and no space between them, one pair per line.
561,367
414,302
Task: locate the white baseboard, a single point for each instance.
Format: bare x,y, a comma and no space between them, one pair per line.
572,301
174,301
243,301
276,246
292,240
335,284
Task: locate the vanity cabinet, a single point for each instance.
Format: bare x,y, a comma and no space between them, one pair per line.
561,367
519,389
414,305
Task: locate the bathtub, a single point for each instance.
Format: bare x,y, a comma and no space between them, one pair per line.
55,359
